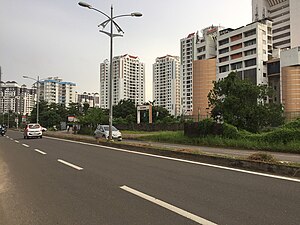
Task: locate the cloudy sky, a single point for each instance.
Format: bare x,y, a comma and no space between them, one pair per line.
60,38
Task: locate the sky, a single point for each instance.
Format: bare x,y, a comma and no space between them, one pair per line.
59,38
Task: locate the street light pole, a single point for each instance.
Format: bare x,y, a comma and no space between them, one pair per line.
111,76
38,99
110,19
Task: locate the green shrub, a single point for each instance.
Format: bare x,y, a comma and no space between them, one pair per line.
282,135
293,125
206,127
230,131
86,130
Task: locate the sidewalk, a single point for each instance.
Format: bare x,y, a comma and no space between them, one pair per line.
215,151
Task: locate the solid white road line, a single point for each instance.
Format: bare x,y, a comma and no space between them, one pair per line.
168,206
70,164
183,160
16,141
39,151
25,145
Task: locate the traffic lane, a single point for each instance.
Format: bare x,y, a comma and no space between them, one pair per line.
201,190
71,198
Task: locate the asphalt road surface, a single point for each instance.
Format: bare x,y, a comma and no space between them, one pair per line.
49,181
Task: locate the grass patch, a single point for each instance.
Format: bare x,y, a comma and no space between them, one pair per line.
252,142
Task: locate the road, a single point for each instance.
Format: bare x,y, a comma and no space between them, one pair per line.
50,181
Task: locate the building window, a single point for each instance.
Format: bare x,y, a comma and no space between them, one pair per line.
223,42
224,50
236,66
249,43
250,62
250,52
250,33
224,69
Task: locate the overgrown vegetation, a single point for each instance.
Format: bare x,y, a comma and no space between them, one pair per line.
243,104
281,139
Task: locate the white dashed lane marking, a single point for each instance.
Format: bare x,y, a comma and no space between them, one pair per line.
39,151
168,206
70,164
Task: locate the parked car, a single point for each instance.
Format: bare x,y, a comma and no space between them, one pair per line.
44,129
33,130
102,131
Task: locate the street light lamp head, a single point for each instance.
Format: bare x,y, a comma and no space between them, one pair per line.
25,76
83,4
136,14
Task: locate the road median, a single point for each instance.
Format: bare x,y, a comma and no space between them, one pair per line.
277,168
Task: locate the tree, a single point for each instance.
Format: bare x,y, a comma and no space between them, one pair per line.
243,105
125,109
93,117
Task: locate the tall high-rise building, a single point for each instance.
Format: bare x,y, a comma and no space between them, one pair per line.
286,20
54,90
128,80
187,56
194,47
104,84
16,99
166,83
245,50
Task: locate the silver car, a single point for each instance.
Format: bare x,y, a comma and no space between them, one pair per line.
102,131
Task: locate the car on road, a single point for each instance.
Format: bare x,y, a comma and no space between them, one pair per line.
102,131
33,130
2,130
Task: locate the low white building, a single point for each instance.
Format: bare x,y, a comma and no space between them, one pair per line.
55,90
245,50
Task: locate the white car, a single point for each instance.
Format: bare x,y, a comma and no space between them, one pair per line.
102,131
33,130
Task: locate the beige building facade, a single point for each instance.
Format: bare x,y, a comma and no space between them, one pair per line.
203,77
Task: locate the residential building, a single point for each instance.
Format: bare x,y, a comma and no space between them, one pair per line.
194,47
245,50
16,99
104,84
290,82
187,56
54,90
286,20
91,98
166,83
128,80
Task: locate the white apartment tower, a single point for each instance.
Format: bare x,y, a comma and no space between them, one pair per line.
286,20
17,99
187,56
166,83
194,47
128,80
245,50
54,90
104,84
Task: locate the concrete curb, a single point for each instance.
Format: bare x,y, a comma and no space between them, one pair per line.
271,168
